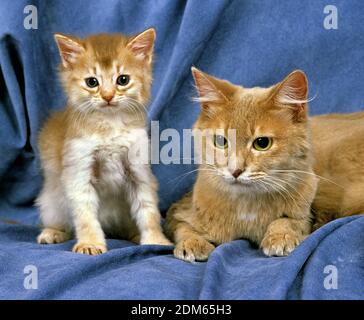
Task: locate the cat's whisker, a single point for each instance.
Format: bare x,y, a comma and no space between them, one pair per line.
261,184
179,159
278,188
257,175
309,173
304,182
184,175
281,185
300,179
294,189
273,187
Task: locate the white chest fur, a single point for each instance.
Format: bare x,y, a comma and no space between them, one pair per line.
107,156
247,216
115,155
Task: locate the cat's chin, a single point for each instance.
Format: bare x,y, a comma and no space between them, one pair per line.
105,107
240,185
109,105
111,108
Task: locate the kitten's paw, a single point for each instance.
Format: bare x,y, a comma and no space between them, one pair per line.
92,249
156,238
193,249
49,236
280,244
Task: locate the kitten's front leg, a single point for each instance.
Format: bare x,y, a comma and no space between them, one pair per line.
284,235
143,200
83,198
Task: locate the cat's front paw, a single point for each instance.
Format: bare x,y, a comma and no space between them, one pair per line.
193,249
280,244
92,249
49,236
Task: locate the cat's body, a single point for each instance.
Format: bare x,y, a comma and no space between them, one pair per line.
339,158
251,195
94,182
107,151
221,218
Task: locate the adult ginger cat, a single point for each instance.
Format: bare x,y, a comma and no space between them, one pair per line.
264,185
339,157
92,184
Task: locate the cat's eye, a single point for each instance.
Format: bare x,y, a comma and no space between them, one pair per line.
123,80
91,82
262,143
220,141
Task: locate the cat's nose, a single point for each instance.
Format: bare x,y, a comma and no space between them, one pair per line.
237,173
108,98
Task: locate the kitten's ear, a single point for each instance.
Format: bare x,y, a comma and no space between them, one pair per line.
142,45
292,92
212,91
70,48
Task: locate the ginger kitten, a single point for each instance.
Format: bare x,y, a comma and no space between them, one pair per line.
92,184
339,157
261,190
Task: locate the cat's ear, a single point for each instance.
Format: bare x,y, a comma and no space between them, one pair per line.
292,92
142,45
70,48
212,92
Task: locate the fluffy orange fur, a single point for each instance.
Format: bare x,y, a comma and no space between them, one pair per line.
339,154
263,196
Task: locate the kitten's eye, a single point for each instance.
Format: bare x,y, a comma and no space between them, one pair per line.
91,82
220,141
123,80
262,143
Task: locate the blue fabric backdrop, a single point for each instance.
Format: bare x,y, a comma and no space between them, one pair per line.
248,42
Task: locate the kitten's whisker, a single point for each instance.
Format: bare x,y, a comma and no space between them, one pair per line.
132,107
137,108
139,103
82,111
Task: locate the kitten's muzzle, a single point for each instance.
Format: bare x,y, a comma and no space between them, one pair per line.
108,99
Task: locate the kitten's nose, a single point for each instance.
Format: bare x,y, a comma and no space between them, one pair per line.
237,173
108,98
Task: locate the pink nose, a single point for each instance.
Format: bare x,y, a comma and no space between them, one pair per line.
237,173
108,98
